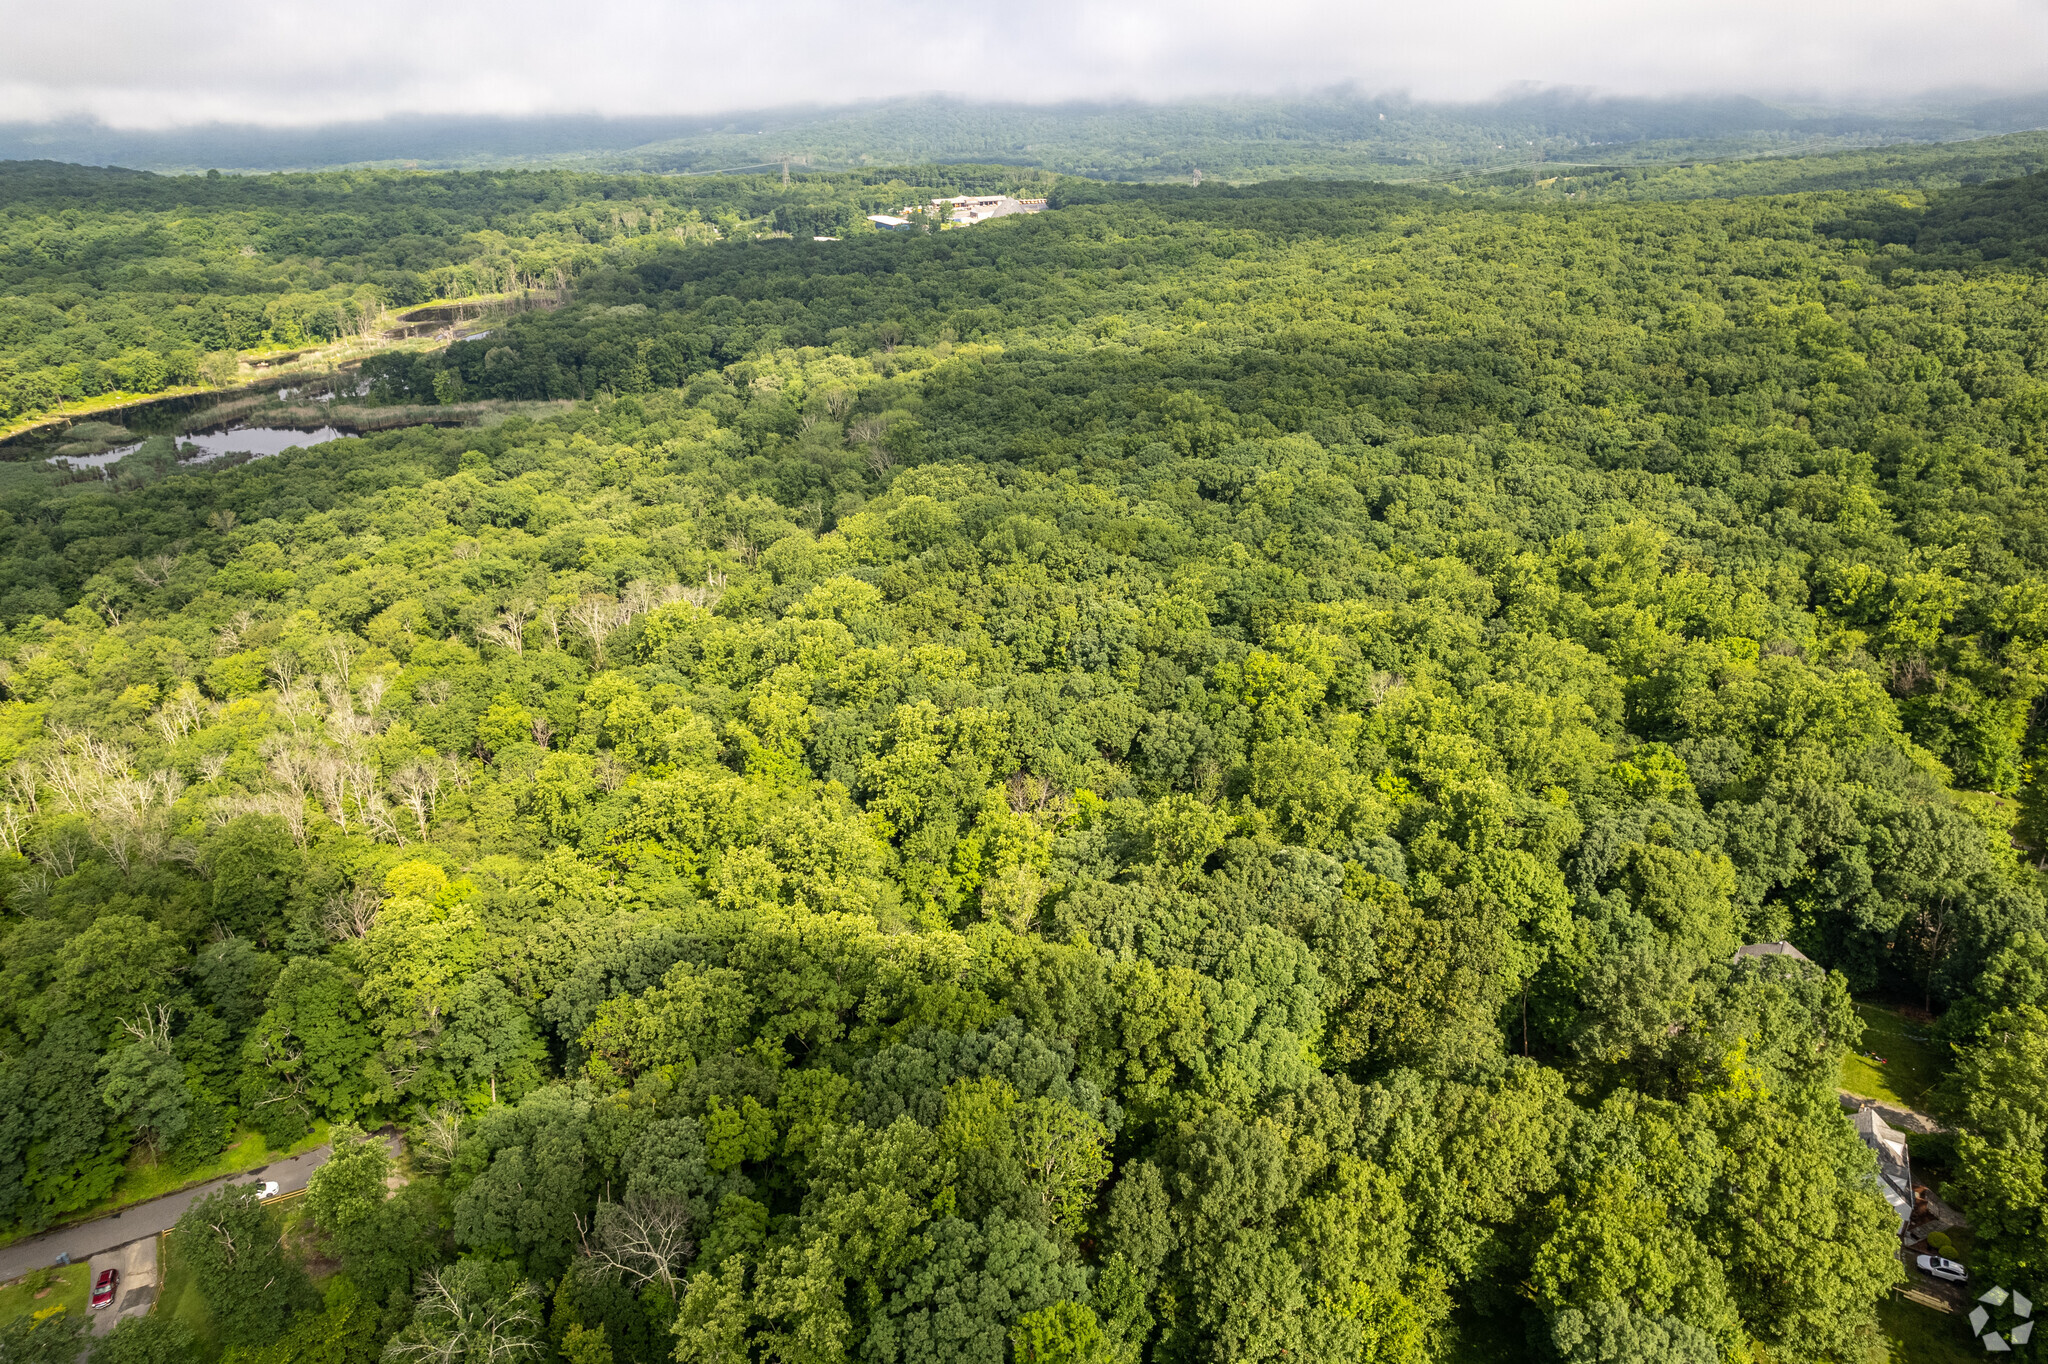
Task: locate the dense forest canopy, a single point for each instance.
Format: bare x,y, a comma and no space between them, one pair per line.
121,282
1177,779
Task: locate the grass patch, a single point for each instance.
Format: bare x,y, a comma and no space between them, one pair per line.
142,1180
69,1288
1921,1335
1913,1062
177,1296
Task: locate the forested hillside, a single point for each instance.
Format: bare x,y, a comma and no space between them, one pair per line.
116,282
1175,780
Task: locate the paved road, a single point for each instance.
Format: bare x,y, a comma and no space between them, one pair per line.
147,1219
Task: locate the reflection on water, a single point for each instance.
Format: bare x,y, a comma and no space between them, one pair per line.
259,441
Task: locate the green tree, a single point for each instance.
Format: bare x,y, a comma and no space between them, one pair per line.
232,1245
311,1051
35,1339
1064,1333
152,1339
145,1089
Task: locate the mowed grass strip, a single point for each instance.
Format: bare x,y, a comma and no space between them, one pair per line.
1921,1335
178,1296
68,1287
1913,1062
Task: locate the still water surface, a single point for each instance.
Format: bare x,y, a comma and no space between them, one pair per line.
202,446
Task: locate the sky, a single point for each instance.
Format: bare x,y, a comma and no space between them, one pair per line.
149,64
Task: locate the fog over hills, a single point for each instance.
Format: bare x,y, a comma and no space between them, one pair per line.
1338,132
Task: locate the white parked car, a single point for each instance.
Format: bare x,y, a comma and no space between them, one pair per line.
1942,1269
269,1189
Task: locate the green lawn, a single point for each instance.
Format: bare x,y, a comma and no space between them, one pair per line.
143,1180
1913,1063
69,1287
1921,1335
177,1296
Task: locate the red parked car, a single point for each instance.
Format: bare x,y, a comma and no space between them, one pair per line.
103,1287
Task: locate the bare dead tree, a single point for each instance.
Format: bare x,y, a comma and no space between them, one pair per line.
180,713
130,817
597,616
418,787
509,630
156,570
228,639
78,766
352,913
449,1328
23,789
341,702
1029,792
341,655
60,849
152,1029
365,799
643,1240
642,596
300,705
280,804
436,1135
329,775
706,596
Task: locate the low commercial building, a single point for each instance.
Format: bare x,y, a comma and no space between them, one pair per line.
968,209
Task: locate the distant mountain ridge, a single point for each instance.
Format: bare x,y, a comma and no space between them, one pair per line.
1337,133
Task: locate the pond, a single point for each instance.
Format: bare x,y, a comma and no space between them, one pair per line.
246,423
200,446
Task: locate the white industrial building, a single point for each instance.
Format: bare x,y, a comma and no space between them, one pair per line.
968,209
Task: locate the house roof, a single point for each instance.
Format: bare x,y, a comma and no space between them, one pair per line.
1889,1143
1901,1206
1772,949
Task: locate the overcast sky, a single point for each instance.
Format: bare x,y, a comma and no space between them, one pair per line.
148,63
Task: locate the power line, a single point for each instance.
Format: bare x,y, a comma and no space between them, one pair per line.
721,171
